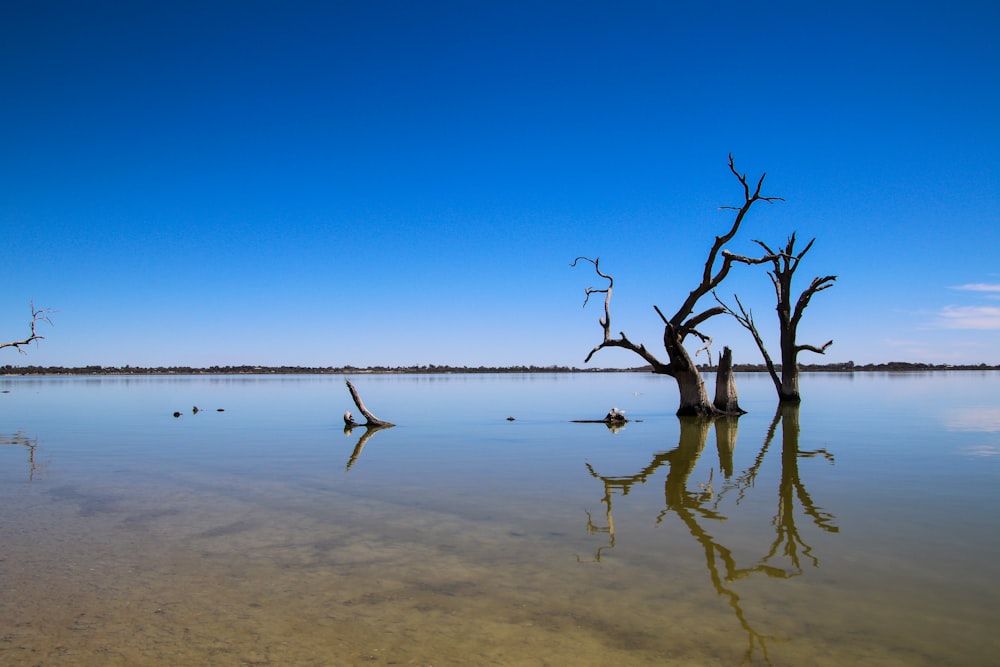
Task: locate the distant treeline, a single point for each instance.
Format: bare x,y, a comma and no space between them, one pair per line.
283,370
848,367
851,367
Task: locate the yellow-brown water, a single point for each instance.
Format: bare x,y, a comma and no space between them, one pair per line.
513,543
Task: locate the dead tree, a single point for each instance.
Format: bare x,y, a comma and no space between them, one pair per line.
37,315
785,263
726,397
685,321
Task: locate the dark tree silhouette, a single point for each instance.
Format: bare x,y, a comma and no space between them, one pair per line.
686,321
785,262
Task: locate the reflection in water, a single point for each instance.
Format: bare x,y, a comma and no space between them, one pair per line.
24,441
979,419
696,506
369,431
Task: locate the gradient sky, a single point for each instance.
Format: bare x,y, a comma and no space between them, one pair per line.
396,183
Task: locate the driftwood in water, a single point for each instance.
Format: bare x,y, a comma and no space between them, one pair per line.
372,426
614,420
614,416
372,420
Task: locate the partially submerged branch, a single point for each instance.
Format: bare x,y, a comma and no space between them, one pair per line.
372,419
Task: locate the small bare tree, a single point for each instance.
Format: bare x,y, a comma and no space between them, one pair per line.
685,321
37,315
785,263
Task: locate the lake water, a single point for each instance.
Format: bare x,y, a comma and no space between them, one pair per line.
861,528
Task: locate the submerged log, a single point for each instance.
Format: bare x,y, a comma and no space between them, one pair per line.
614,416
614,420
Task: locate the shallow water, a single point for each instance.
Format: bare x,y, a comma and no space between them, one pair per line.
859,529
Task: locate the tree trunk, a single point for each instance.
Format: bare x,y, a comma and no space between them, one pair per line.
694,399
789,392
694,396
726,397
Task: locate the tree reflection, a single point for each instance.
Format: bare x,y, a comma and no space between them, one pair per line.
696,506
369,431
19,439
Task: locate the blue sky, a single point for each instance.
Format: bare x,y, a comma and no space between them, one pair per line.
397,183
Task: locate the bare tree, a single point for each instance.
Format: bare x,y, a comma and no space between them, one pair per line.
785,263
37,315
685,321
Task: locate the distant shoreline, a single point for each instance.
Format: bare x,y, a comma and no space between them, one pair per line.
849,367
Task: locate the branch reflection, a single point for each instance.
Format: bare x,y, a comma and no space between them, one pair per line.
369,431
697,505
19,439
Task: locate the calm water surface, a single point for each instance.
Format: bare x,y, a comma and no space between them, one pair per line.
860,528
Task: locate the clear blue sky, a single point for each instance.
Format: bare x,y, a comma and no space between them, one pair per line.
396,183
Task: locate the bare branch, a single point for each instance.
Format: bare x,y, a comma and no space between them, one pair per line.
712,275
766,247
745,318
806,249
690,325
593,290
706,348
605,322
624,342
37,315
812,348
817,285
750,261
